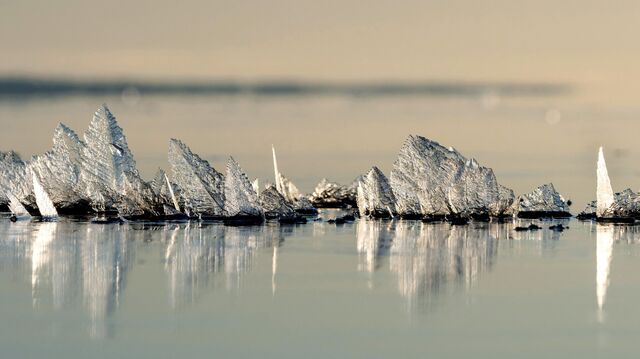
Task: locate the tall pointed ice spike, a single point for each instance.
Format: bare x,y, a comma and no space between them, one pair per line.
604,192
283,184
45,205
276,172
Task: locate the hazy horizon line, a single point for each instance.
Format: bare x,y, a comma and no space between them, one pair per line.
12,86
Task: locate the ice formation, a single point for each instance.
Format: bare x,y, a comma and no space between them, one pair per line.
201,186
283,184
329,194
106,161
59,171
274,204
543,201
176,205
16,208
604,191
621,206
13,177
625,207
589,211
163,191
45,205
289,191
430,179
375,197
240,197
99,174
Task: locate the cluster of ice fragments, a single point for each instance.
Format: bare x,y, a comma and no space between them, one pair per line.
430,180
98,174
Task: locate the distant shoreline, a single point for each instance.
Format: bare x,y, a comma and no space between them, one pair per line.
25,86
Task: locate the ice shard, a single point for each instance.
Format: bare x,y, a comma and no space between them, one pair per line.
109,174
240,198
604,191
289,191
13,178
45,205
275,205
106,159
619,207
165,192
137,200
504,206
159,187
59,171
201,187
430,179
474,190
544,201
375,197
589,211
625,207
283,184
16,208
329,194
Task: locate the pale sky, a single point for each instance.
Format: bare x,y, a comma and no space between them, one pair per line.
580,42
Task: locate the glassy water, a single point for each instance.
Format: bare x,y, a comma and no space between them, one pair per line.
370,289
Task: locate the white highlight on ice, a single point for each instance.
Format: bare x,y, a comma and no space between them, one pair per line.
17,208
276,172
45,205
604,192
173,196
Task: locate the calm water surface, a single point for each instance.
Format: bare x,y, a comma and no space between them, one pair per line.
362,290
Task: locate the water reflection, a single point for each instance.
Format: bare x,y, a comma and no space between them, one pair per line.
428,259
107,257
604,251
606,236
373,242
194,254
41,257
87,266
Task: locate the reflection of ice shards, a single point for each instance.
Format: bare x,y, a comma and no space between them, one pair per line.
430,259
107,255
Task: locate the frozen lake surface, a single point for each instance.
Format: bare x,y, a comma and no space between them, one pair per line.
361,290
